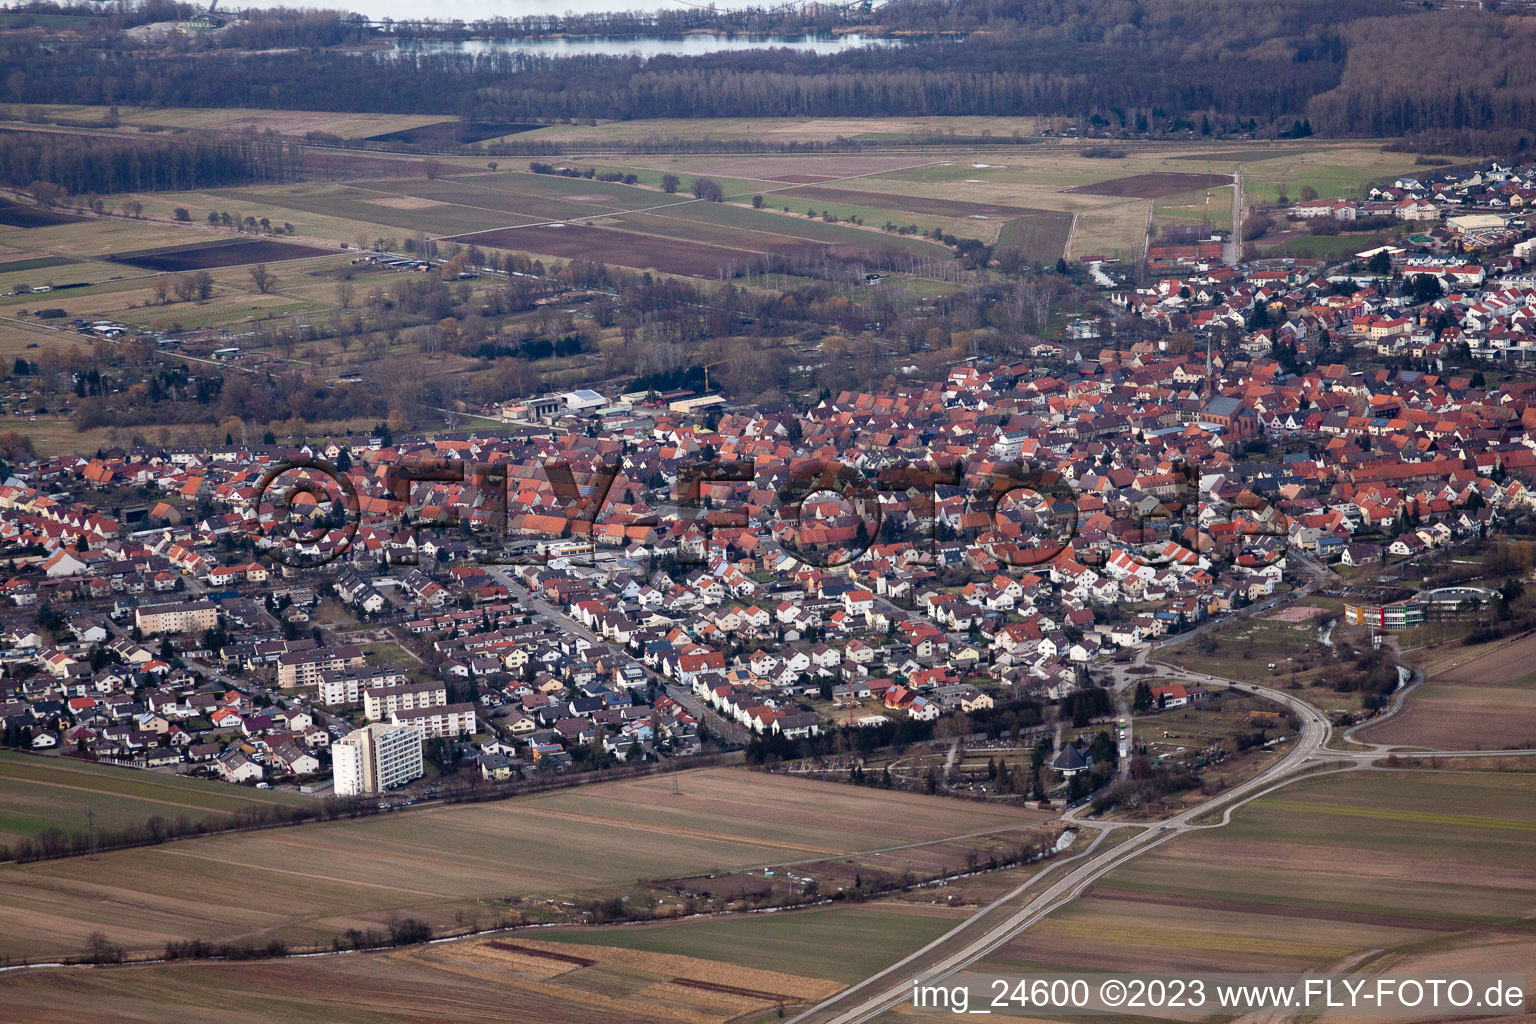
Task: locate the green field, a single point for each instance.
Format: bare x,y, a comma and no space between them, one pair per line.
1226,156
1211,206
867,938
285,122
724,223
871,215
1333,171
35,263
307,883
1324,246
1042,236
53,792
1406,866
391,654
365,209
468,203
783,128
735,187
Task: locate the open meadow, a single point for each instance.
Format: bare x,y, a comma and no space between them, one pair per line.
239,119
38,793
864,934
1049,199
1373,867
446,864
547,215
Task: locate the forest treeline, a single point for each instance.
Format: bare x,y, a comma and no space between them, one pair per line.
95,19
1134,65
1127,67
82,164
1396,85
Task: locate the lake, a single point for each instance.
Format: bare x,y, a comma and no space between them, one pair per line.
479,10
682,46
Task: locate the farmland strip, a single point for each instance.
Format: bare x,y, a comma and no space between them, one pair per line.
732,990
548,954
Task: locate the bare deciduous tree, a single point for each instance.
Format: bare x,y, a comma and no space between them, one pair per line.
263,278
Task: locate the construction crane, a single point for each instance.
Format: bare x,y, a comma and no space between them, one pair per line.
717,362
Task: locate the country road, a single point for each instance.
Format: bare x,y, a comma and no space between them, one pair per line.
997,923
1234,253
994,925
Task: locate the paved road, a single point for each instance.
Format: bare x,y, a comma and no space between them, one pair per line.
725,728
1234,253
997,923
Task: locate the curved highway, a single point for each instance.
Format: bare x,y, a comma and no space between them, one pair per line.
1000,921
1064,880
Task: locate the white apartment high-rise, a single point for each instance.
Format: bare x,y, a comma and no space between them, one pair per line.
376,757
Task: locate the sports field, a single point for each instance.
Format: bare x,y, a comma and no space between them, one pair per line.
306,884
37,793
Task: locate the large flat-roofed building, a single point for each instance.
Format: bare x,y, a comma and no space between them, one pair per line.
303,668
570,547
347,686
176,617
375,758
583,401
379,703
440,722
1398,615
